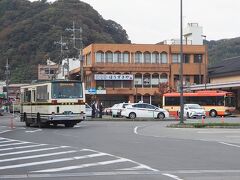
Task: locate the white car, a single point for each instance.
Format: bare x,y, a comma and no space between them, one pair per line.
144,110
88,110
193,111
116,109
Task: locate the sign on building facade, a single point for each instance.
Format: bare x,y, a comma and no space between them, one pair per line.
126,77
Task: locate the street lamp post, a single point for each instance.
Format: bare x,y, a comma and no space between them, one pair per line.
181,68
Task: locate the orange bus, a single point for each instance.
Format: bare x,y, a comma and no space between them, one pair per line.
215,103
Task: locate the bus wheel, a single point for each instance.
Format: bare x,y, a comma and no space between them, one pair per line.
26,120
39,123
213,113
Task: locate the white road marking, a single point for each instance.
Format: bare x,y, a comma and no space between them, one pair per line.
217,132
83,166
36,156
172,176
142,165
5,131
10,140
33,131
18,143
49,161
234,145
34,150
135,130
22,147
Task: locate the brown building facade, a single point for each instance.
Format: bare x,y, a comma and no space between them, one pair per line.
134,72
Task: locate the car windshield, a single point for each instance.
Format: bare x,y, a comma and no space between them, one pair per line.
194,106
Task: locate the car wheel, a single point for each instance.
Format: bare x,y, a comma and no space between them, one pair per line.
161,116
132,115
213,113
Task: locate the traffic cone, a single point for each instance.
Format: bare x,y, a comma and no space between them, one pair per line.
202,120
222,119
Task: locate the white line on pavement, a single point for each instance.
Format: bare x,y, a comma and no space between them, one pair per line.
14,144
34,150
135,130
22,147
5,131
49,161
83,166
33,131
36,156
233,145
172,176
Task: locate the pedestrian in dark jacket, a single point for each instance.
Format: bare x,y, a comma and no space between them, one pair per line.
93,110
100,110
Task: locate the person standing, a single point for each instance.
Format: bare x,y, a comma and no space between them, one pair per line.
93,110
100,110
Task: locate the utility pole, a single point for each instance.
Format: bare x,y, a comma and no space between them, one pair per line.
62,45
181,67
80,48
7,73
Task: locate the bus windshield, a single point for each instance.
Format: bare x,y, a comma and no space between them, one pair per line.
229,101
64,90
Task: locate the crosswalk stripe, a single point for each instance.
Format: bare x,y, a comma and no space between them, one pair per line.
34,150
49,161
22,147
82,166
14,144
7,141
36,156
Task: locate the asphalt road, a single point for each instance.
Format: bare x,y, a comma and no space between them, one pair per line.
108,150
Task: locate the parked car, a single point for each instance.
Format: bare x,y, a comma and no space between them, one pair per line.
116,110
88,110
108,111
144,110
193,111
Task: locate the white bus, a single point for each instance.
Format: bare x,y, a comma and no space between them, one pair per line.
55,102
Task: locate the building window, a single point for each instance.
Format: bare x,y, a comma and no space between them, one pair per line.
88,58
49,71
164,59
155,57
186,58
126,57
163,78
117,57
138,57
198,79
109,57
138,80
100,84
198,58
155,80
176,58
99,57
147,57
146,80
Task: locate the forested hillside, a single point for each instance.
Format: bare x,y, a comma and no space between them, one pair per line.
28,31
222,49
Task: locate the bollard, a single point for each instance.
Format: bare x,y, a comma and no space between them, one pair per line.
11,123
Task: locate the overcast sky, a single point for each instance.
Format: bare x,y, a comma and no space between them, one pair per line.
151,21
